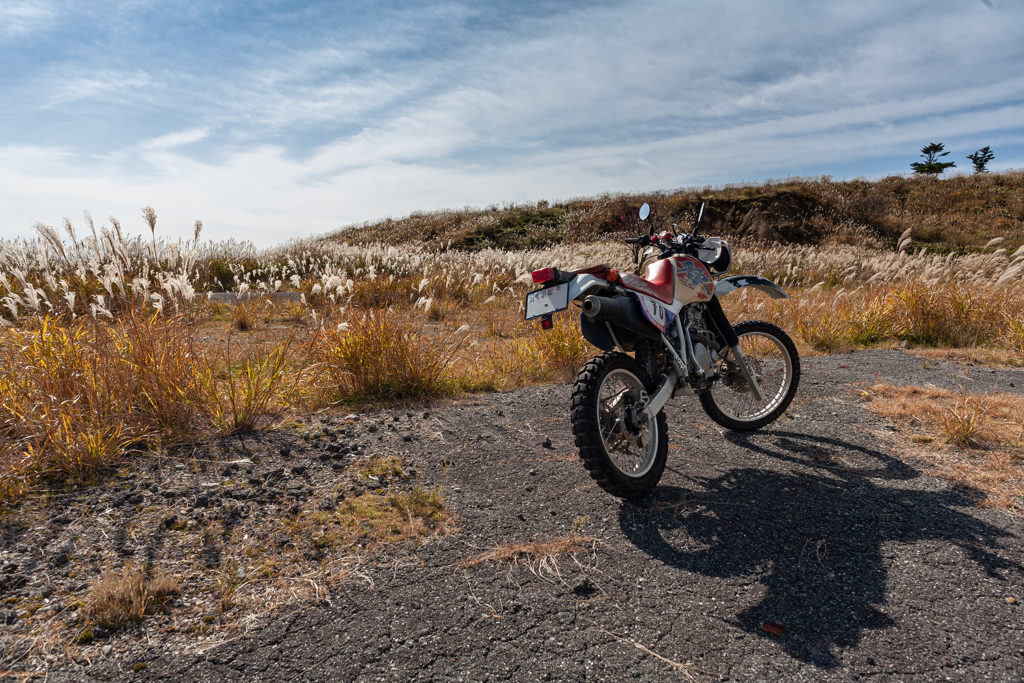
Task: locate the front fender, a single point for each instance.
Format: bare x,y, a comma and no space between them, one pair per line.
734,282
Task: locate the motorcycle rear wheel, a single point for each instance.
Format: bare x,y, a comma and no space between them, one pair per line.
625,458
772,355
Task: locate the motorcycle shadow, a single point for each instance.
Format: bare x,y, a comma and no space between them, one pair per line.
819,538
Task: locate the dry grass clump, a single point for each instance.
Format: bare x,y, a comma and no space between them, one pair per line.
379,355
393,518
946,314
535,551
76,397
983,433
127,597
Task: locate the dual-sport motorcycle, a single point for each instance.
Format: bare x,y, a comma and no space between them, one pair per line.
671,320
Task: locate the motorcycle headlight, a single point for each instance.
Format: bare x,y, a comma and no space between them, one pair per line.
722,264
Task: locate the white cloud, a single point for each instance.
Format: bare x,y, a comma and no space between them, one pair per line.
618,98
23,16
170,140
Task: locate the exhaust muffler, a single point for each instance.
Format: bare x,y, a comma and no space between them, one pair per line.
623,311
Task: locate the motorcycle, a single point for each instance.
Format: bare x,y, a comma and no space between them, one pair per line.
671,320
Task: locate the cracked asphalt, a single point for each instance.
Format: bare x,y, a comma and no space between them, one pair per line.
873,569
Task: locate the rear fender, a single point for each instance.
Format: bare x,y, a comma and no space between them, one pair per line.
584,284
734,282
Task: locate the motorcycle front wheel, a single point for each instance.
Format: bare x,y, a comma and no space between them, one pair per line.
625,456
772,356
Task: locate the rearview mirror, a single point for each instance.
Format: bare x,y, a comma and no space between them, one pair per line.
645,211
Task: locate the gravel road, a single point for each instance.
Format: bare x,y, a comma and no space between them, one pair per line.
872,568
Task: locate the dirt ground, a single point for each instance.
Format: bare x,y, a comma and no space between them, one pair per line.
862,564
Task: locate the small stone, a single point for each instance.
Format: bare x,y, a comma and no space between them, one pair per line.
372,428
547,442
905,345
891,428
1012,601
407,437
107,650
533,472
351,416
179,466
299,470
100,632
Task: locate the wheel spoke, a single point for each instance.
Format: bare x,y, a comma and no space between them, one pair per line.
773,365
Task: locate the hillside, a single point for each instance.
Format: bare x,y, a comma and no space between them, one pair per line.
958,213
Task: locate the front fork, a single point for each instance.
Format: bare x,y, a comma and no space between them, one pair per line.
683,365
751,377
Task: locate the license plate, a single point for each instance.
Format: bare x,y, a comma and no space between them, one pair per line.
549,300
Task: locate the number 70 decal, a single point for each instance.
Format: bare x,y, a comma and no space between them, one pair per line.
654,311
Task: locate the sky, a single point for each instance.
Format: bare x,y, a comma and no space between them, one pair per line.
270,120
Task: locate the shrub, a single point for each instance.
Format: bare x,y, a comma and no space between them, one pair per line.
382,356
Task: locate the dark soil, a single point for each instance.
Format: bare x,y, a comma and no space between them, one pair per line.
860,563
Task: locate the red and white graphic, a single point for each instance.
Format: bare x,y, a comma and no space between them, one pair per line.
654,311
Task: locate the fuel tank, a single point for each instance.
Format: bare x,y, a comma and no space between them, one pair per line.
693,282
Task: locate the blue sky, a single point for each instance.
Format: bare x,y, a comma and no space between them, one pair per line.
271,120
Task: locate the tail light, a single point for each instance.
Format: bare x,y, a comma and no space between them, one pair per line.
544,275
612,276
546,322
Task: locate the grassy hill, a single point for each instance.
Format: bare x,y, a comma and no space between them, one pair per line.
960,213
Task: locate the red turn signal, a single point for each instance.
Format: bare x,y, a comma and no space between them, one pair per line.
545,322
544,275
612,276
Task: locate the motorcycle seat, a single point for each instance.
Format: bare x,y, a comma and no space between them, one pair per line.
597,271
659,283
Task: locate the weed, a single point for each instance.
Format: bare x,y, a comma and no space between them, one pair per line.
117,599
535,550
385,357
964,422
993,421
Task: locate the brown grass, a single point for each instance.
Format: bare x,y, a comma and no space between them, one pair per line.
127,597
75,398
534,551
974,439
957,212
381,355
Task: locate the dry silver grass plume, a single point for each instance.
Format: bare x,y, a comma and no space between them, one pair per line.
149,215
198,228
993,242
904,242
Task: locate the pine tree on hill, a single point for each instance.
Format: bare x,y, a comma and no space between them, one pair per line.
981,158
931,165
